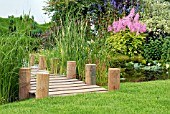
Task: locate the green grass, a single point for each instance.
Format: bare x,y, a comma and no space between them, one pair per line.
139,98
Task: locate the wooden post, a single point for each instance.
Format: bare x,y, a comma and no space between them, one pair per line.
32,59
90,74
71,69
42,62
54,66
42,85
113,79
24,83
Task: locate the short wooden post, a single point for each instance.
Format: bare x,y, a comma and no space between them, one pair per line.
24,83
32,59
54,66
90,74
71,69
113,79
42,62
42,85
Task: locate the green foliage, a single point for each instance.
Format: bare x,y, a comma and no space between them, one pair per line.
125,43
14,53
153,49
120,61
166,50
157,49
57,7
157,16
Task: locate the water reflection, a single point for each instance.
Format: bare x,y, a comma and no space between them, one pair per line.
140,75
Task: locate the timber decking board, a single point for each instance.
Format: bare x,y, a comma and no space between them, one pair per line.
52,77
61,86
84,90
62,83
56,80
76,91
67,89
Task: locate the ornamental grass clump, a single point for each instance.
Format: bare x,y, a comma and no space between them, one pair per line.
14,54
126,36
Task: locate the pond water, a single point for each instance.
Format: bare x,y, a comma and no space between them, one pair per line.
140,75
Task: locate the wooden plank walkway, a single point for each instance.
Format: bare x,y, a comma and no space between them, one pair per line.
61,86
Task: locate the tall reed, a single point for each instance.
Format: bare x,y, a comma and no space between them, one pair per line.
14,53
73,42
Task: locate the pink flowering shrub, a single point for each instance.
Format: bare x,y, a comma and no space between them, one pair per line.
131,22
127,36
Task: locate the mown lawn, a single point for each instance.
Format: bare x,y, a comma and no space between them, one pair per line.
133,98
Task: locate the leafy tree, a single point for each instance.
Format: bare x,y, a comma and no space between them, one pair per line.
157,17
55,8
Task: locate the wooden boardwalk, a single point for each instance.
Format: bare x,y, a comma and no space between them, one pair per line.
61,86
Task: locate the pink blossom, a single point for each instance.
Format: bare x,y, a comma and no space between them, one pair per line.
124,28
115,24
133,29
137,33
132,13
110,28
136,17
125,22
121,26
137,26
130,26
132,23
143,28
126,18
116,30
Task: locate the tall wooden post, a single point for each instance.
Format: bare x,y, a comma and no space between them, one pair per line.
24,83
90,74
113,79
42,62
54,66
71,69
42,85
32,59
